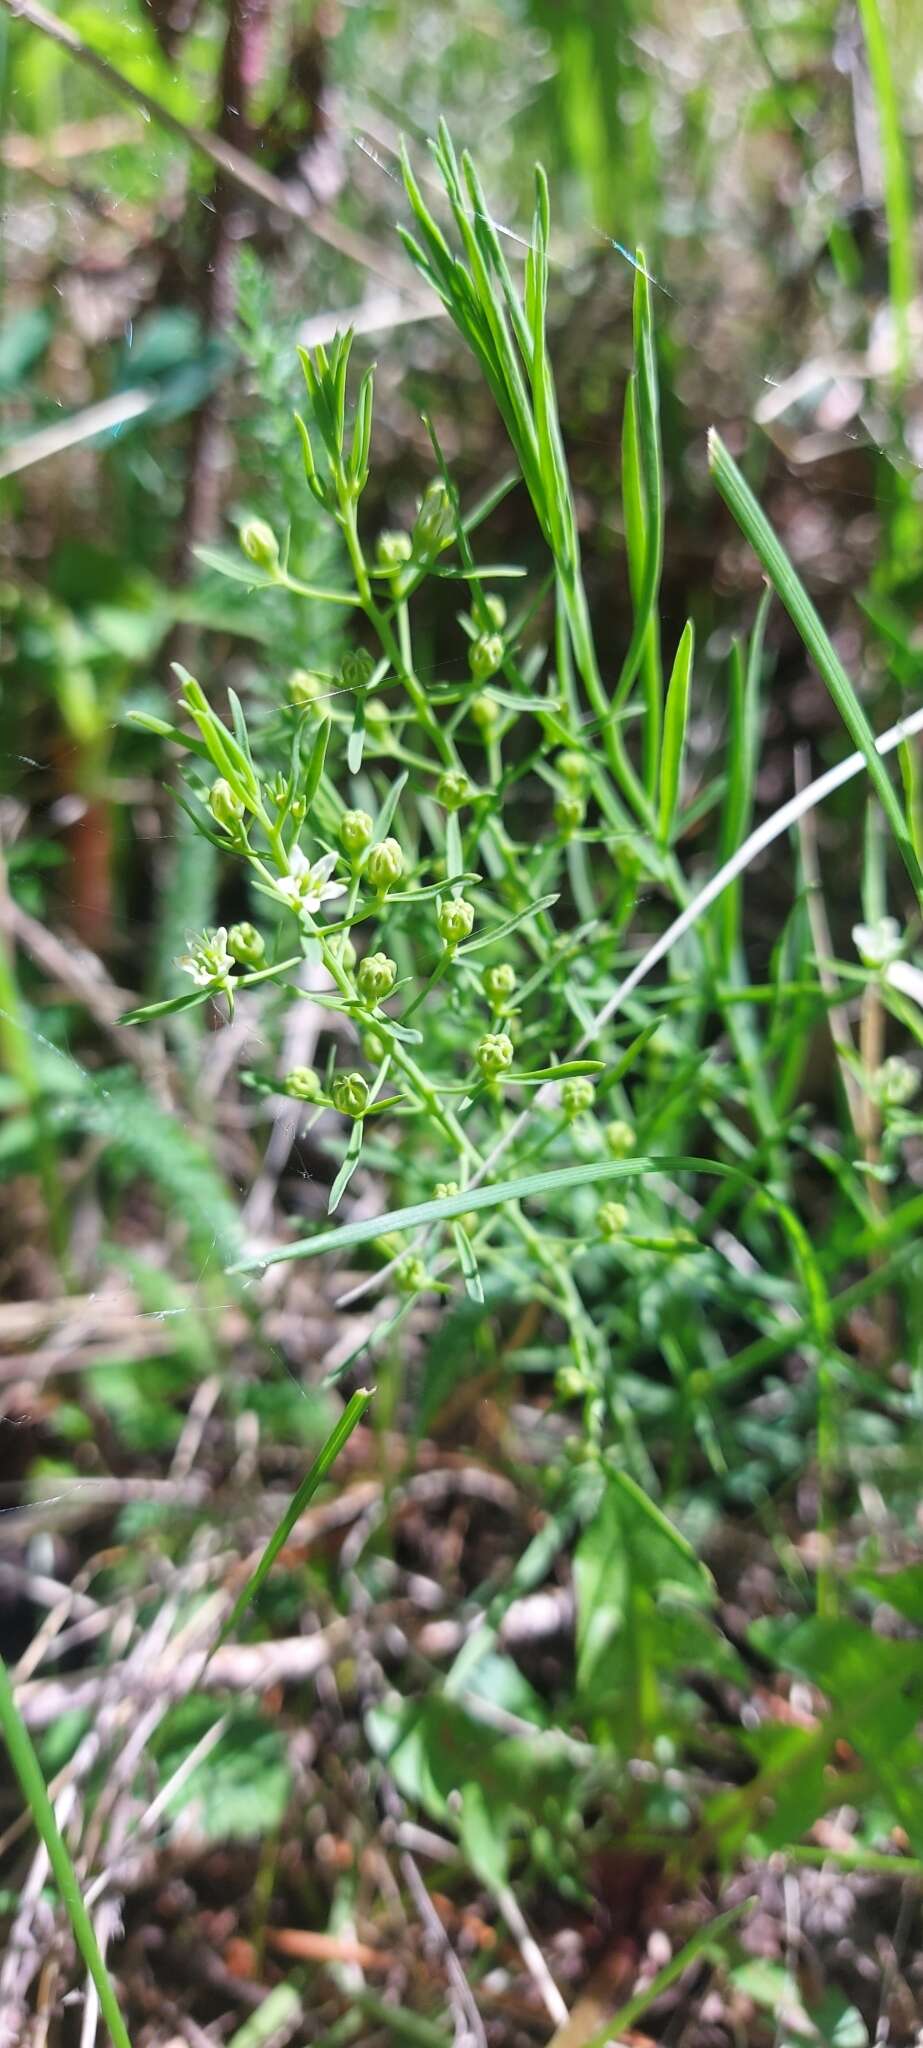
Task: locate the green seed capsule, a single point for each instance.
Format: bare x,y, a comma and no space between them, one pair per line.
246,945
227,808
349,1093
435,521
356,831
569,814
499,984
304,688
485,656
357,669
392,549
453,789
302,1082
259,544
385,865
376,977
455,920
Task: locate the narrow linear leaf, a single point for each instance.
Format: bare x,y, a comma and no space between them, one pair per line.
674,732
329,1452
447,1207
756,529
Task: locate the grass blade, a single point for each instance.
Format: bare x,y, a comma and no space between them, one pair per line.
755,527
29,1772
898,185
339,1435
674,732
443,1210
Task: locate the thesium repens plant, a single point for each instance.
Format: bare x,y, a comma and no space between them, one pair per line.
462,856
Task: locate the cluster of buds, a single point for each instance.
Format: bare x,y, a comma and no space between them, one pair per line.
493,1054
376,977
454,921
611,1220
499,985
410,1275
577,1096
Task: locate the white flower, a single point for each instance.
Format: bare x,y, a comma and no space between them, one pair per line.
208,958
879,943
308,884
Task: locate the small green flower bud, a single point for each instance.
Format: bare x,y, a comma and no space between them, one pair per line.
485,655
620,1138
376,977
246,945
571,1383
611,1218
297,809
577,1096
498,984
385,865
302,1082
347,952
895,1083
227,808
277,791
304,688
357,669
493,1054
569,814
392,549
376,713
485,711
435,521
410,1276
453,789
356,830
496,610
444,1188
574,767
349,1093
455,920
259,544
373,1045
